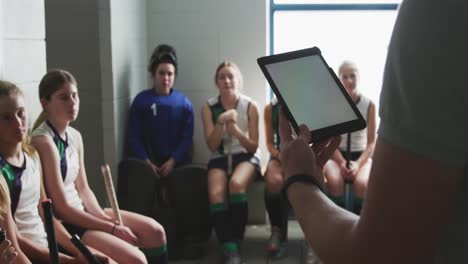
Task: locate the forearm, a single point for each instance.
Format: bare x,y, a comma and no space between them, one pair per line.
249,144
32,251
328,228
83,219
365,155
337,157
272,150
215,138
91,204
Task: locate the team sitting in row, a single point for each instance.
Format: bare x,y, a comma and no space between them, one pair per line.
161,117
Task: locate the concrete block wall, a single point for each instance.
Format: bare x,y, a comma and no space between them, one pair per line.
22,48
205,33
128,45
73,43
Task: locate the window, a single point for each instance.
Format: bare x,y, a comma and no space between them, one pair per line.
345,30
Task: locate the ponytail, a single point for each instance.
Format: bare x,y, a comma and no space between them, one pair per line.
40,119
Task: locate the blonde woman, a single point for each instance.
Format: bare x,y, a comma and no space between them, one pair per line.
62,153
22,185
230,122
362,142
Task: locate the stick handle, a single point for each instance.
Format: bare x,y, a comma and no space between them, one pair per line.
49,227
111,192
229,153
84,250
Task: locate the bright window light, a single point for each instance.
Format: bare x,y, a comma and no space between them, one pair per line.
360,36
337,1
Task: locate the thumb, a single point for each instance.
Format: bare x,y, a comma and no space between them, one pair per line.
304,133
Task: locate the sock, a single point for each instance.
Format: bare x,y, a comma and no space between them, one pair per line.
338,200
230,246
358,202
221,222
156,255
238,212
277,208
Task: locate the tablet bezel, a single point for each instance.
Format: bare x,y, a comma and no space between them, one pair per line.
321,133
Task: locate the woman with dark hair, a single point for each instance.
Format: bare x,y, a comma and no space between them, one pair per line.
161,117
160,130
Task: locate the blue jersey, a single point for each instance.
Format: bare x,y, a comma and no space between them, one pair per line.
161,127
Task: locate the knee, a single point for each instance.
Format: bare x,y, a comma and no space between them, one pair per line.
336,188
216,195
136,256
157,232
360,187
235,186
274,184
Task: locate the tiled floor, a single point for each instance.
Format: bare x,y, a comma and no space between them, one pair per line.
253,248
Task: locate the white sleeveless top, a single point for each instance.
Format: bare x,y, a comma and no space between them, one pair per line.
358,138
73,161
27,217
242,109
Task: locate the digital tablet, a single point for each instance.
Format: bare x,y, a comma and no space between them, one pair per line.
310,93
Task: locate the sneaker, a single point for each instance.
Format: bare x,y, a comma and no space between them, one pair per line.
281,253
232,257
274,244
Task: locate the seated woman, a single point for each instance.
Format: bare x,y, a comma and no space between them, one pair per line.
161,118
276,205
362,143
61,150
230,123
160,131
10,251
21,184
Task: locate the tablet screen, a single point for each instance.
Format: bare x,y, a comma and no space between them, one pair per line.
310,92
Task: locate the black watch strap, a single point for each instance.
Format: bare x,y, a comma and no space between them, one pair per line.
304,178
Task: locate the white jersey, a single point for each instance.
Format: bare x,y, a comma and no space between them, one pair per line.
72,160
358,138
242,109
26,216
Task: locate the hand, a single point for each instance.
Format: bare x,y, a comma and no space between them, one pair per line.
167,167
297,157
229,115
276,154
232,128
125,234
349,174
7,252
154,167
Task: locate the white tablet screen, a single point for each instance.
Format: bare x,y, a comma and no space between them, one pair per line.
310,92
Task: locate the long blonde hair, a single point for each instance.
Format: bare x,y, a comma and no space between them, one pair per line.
10,89
53,81
4,201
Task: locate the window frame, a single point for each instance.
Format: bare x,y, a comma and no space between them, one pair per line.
321,7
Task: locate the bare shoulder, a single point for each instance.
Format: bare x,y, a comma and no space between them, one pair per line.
40,141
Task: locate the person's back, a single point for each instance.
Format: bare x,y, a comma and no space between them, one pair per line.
428,112
416,199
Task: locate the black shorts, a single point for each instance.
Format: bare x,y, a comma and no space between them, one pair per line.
354,155
221,163
73,229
